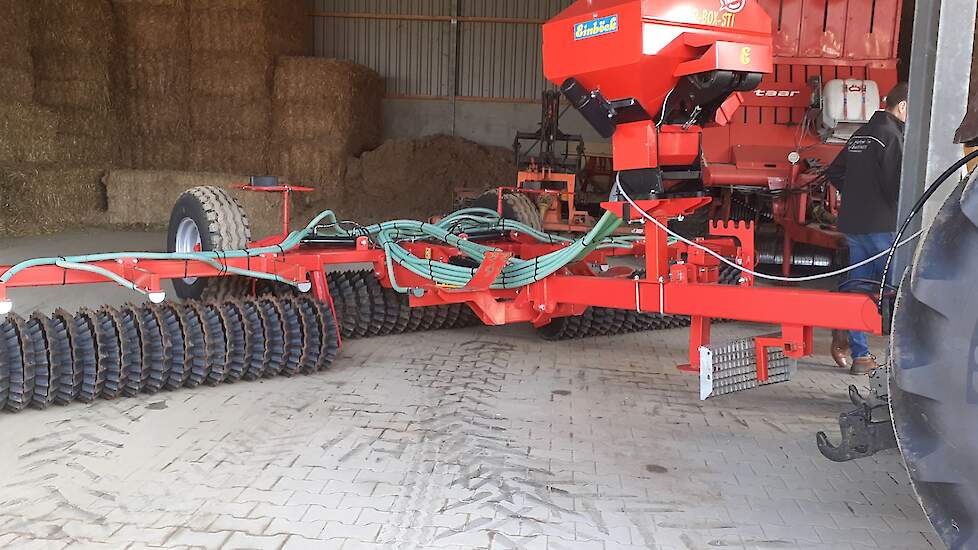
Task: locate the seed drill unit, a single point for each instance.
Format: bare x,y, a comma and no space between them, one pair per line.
650,75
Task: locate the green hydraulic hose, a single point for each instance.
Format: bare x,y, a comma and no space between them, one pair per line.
389,235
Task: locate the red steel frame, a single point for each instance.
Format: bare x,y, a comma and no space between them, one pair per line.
680,279
687,287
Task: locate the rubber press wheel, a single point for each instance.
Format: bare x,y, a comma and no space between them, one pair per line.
516,206
934,381
205,219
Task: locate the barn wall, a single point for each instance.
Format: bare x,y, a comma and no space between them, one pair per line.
447,73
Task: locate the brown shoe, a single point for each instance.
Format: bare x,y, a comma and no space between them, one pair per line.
863,366
840,349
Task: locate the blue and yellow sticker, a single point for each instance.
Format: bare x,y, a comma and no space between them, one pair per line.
596,27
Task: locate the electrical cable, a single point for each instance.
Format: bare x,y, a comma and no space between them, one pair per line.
917,207
756,274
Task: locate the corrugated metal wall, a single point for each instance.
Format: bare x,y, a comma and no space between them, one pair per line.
468,49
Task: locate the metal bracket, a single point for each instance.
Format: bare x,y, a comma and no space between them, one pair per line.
491,267
867,429
733,367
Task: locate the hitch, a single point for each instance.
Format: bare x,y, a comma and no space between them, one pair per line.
867,429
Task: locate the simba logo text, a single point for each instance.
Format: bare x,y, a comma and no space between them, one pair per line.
596,27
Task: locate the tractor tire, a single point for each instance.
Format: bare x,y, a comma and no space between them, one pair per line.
934,378
208,218
516,206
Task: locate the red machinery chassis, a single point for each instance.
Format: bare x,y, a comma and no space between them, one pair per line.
679,280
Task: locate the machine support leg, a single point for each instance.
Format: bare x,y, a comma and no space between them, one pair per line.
699,336
656,253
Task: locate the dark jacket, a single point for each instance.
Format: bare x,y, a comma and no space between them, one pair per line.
867,172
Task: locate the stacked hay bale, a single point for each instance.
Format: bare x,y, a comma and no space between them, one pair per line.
417,178
155,59
27,132
55,111
71,47
233,48
325,111
16,65
144,198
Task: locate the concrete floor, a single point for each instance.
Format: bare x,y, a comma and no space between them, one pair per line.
479,438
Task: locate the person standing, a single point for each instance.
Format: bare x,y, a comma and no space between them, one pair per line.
867,172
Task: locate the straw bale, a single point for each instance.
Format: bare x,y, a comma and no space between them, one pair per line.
47,199
152,26
145,198
158,73
62,64
312,121
77,25
289,29
317,164
230,156
159,118
88,94
15,43
312,79
253,5
182,4
88,138
28,133
227,30
223,117
242,76
415,178
150,153
16,85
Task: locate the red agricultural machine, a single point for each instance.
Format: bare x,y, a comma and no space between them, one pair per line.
650,75
832,61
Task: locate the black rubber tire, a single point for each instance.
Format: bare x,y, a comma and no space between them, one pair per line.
20,363
93,373
216,343
272,319
313,332
222,225
694,225
131,341
81,350
398,304
331,334
155,366
196,368
558,329
175,350
257,353
108,338
57,355
934,381
516,206
232,317
294,337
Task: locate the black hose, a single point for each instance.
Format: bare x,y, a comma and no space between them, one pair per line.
916,210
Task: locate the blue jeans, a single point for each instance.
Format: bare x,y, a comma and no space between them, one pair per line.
863,247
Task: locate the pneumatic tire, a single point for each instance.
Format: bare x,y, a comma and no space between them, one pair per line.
934,379
206,219
516,206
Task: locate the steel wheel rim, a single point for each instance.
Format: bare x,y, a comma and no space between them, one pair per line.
188,241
